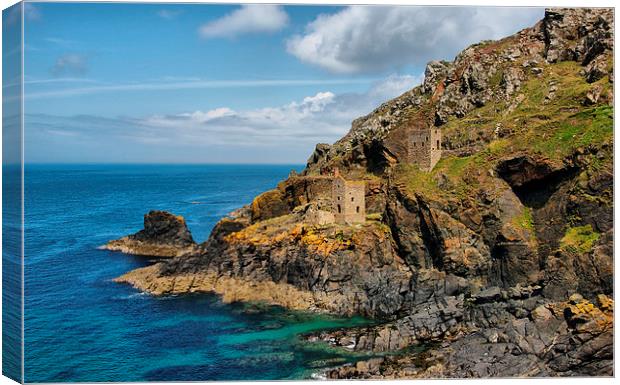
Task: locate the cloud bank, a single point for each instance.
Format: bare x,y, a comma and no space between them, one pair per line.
375,38
285,133
322,117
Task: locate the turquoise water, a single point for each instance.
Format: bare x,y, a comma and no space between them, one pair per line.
81,326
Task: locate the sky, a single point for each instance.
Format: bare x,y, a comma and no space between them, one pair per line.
199,83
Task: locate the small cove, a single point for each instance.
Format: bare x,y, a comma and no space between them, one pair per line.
81,326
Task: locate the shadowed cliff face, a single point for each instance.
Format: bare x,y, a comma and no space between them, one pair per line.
500,258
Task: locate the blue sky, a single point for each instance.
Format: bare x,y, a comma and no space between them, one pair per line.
192,83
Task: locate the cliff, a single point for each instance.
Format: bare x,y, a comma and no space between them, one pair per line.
499,261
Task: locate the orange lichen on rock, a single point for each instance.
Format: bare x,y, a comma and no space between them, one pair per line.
583,315
322,241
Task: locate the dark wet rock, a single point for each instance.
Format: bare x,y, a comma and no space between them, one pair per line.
432,320
564,338
490,294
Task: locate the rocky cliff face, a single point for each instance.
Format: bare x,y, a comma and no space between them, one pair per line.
499,261
494,74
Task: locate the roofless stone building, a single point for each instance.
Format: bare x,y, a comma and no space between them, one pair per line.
348,197
423,147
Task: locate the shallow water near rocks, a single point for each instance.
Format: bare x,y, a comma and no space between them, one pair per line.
81,326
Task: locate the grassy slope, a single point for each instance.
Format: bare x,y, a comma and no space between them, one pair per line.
550,128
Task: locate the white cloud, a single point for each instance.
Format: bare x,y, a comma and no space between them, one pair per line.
375,38
316,103
196,117
250,127
247,19
202,117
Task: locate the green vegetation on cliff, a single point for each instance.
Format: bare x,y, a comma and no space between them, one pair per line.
549,116
525,220
579,239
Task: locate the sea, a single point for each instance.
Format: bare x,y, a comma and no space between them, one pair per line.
80,326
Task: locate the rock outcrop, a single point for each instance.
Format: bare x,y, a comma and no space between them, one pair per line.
498,262
164,235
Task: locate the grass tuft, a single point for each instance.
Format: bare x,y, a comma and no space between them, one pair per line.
524,220
579,239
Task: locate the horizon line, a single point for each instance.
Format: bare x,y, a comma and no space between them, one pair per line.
156,164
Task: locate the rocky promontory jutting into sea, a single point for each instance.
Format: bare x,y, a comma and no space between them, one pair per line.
471,216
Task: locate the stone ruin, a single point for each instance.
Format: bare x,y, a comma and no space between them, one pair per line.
424,147
348,198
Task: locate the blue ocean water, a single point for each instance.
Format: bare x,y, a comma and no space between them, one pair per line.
81,326
11,271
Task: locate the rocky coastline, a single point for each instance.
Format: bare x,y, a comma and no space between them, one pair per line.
499,261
